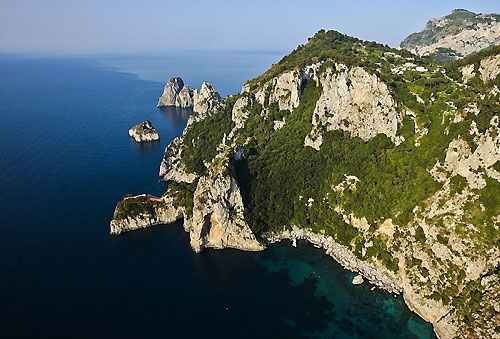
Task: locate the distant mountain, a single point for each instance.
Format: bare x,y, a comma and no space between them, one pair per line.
455,36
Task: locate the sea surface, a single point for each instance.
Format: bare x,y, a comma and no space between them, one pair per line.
66,159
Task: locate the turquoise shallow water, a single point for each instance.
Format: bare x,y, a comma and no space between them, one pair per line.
66,159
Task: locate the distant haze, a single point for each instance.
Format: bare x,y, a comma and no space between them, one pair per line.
95,26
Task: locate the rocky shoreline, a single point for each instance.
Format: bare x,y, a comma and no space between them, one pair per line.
340,254
168,214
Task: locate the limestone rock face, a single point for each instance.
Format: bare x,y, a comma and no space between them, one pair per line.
144,132
185,97
356,101
218,217
490,68
177,94
172,95
455,36
240,111
460,160
171,167
206,99
287,88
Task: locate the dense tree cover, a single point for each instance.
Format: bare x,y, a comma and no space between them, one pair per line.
204,137
183,194
279,175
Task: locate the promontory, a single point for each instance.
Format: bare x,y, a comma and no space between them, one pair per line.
387,160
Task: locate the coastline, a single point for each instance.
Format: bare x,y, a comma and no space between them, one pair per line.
341,254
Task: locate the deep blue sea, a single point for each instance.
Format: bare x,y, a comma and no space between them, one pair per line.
66,159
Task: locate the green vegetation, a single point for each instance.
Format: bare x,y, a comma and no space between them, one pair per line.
183,195
284,184
143,128
205,136
335,47
133,206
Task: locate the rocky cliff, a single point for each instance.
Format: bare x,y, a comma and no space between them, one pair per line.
455,36
389,162
177,94
144,132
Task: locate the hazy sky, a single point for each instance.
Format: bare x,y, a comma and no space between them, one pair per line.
55,26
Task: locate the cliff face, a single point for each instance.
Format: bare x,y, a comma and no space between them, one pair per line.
177,94
218,220
455,36
355,101
387,161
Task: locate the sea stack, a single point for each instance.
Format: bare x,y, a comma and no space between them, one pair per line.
177,94
144,132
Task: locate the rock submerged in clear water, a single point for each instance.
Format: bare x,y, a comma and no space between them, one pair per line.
144,132
357,280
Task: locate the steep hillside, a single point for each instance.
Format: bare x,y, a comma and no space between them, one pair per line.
455,36
388,161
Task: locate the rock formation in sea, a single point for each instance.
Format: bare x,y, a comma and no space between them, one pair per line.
144,132
176,93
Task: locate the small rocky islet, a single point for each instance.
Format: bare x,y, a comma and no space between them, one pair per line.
144,132
403,155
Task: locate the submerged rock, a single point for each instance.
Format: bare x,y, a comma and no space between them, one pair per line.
358,280
144,132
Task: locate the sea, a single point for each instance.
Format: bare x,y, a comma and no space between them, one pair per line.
66,159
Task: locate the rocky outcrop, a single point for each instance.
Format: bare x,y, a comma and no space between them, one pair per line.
206,99
342,255
171,167
177,94
455,36
144,132
241,111
356,101
286,89
218,220
164,213
490,68
461,160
